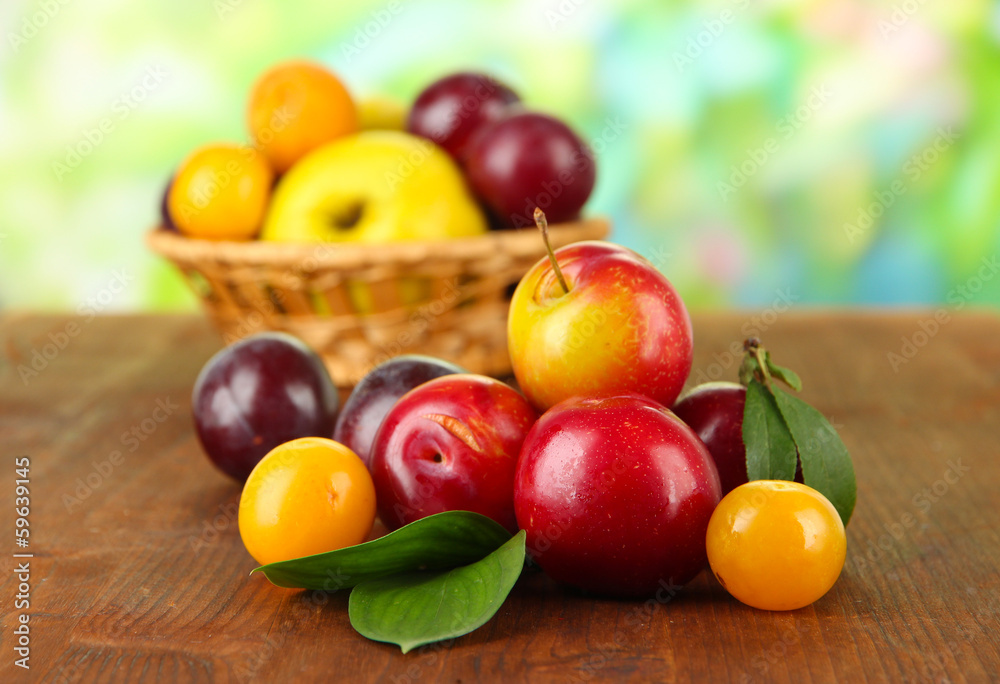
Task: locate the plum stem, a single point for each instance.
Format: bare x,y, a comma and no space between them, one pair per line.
543,225
765,375
758,364
754,350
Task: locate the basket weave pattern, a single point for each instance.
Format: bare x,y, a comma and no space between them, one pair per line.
360,304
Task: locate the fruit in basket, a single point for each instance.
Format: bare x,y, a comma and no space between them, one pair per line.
220,192
615,494
295,107
374,186
714,410
258,393
307,496
776,545
529,160
618,326
166,222
450,444
451,109
378,392
379,112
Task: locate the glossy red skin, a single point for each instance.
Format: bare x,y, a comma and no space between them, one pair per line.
615,495
450,444
527,160
377,392
258,393
450,110
621,328
715,412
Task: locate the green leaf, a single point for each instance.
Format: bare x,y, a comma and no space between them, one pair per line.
770,449
444,540
423,607
826,465
786,375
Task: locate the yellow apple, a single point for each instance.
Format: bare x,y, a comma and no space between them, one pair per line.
373,186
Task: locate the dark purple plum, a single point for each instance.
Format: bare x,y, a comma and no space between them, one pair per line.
714,410
166,222
258,393
450,110
378,392
527,160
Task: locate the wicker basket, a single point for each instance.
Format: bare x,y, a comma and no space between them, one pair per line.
358,305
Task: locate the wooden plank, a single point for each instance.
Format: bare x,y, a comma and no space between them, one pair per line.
139,573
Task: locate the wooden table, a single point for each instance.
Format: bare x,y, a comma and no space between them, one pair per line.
139,574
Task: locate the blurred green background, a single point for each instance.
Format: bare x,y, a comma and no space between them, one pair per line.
828,152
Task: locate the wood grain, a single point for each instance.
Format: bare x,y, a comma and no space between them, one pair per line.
139,574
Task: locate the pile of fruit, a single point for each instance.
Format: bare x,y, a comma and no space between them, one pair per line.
467,157
585,472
